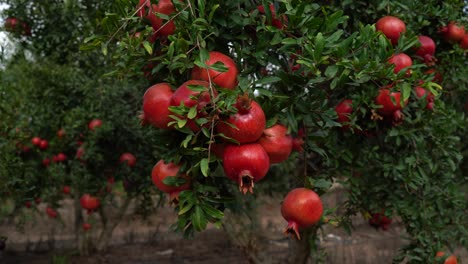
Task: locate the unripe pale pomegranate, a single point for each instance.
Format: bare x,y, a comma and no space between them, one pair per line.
227,79
302,208
277,143
156,101
245,164
392,27
163,170
249,122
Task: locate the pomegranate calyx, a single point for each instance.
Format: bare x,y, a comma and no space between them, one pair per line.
246,182
244,103
293,230
174,197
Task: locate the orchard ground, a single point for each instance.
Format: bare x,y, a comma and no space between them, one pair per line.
151,241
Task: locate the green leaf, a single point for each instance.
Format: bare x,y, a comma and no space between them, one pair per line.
204,167
174,181
186,208
181,123
198,219
406,91
148,47
192,113
213,212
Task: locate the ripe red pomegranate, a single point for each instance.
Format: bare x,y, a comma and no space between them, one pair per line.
66,189
401,61
391,27
59,157
89,202
379,220
279,23
11,24
464,42
44,144
452,259
453,32
249,121
343,110
51,212
184,95
163,170
86,226
147,12
384,98
79,153
277,143
167,28
95,123
437,75
61,133
36,141
302,208
128,158
156,101
28,204
421,92
427,49
46,162
245,164
298,142
227,79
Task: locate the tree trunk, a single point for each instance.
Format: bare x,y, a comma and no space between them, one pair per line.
108,227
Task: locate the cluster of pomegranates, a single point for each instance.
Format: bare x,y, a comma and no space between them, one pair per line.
389,102
248,160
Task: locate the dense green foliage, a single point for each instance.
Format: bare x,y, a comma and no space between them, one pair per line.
324,52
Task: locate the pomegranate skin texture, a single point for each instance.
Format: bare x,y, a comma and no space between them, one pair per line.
302,208
156,101
277,143
391,27
161,171
227,79
245,164
249,122
343,110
